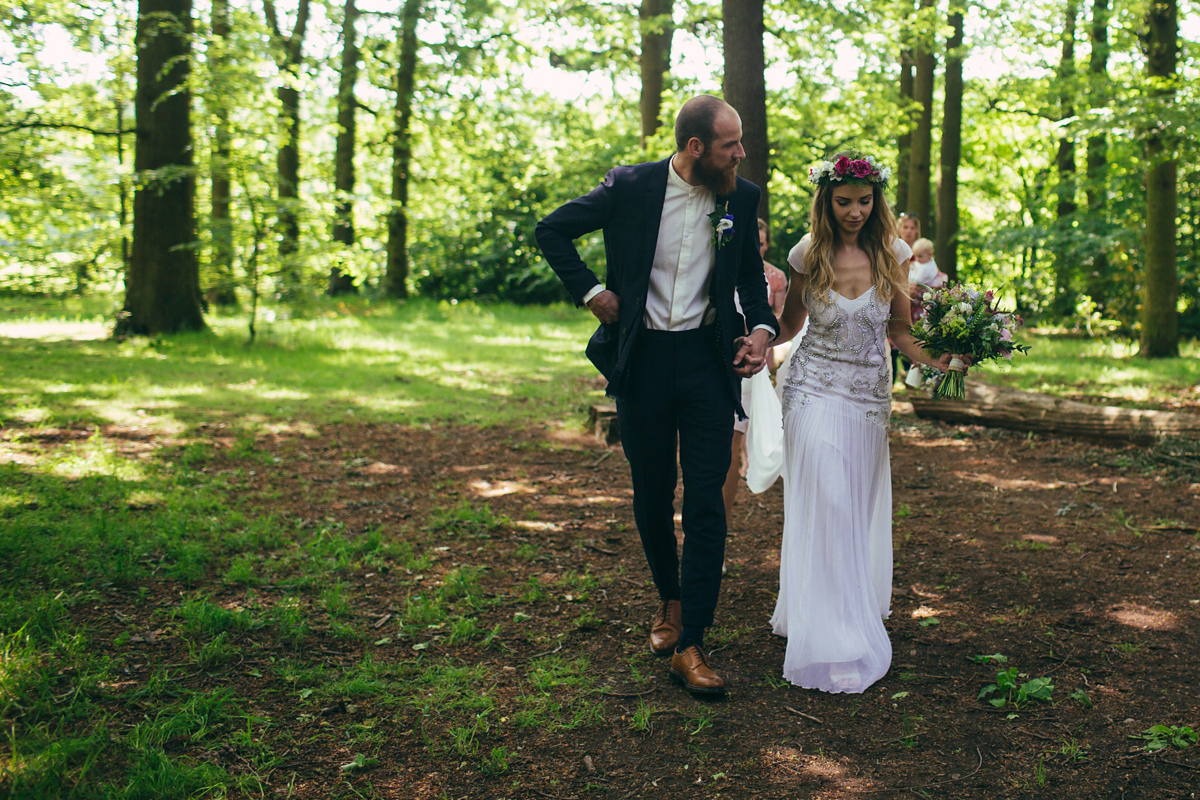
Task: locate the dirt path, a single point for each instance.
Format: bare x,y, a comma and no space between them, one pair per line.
1074,563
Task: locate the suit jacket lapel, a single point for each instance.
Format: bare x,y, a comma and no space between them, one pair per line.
656,192
724,254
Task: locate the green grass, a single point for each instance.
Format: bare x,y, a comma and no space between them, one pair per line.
1104,369
360,360
135,476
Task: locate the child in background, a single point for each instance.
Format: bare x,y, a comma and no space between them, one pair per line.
922,272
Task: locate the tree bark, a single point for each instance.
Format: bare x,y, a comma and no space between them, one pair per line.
945,249
1097,149
288,55
904,140
396,277
919,199
162,289
1064,293
1012,409
1160,315
343,159
746,89
222,291
657,28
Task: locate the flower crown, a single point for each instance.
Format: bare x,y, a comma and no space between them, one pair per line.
850,170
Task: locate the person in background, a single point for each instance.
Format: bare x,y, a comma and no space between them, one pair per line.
922,273
776,292
908,225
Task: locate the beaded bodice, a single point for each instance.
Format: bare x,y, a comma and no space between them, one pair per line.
844,354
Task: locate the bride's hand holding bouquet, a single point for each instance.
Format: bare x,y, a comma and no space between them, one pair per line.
961,320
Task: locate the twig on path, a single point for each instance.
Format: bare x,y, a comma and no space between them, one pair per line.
629,694
806,716
601,550
931,785
379,623
600,460
546,653
1036,735
1179,764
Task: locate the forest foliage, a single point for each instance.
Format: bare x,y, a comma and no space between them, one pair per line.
517,107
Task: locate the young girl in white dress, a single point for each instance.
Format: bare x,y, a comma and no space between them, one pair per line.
849,280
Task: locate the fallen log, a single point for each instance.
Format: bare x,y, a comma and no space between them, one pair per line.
1013,409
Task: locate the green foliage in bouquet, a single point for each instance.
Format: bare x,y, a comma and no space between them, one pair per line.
963,320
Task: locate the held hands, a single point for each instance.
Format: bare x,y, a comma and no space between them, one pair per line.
606,306
751,355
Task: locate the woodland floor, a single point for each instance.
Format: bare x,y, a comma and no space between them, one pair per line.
1077,562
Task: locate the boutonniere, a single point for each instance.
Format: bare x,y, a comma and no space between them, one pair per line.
722,222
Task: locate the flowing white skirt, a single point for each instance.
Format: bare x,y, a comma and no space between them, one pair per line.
835,566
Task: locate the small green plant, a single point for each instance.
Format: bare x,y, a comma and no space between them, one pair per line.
701,722
641,721
465,519
1039,773
1081,697
994,658
1011,691
1160,737
496,762
1073,750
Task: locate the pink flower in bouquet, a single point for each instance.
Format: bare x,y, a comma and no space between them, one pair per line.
1005,335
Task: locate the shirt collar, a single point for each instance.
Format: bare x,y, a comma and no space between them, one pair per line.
677,181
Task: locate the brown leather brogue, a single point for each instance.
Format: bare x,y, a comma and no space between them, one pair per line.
666,628
691,669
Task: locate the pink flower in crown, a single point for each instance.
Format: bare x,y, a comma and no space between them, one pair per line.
841,165
860,168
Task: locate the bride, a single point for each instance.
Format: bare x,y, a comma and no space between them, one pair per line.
835,567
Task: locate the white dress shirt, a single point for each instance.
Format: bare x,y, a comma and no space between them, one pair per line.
684,255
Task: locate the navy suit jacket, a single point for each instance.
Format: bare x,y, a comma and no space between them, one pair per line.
627,206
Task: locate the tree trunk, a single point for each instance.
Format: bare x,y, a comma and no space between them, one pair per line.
658,28
396,278
746,89
343,159
946,247
288,55
1160,315
904,140
222,291
162,287
1097,150
1064,293
1012,409
919,200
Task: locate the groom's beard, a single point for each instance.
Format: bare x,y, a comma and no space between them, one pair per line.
716,180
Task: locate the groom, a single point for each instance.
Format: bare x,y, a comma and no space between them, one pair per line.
680,235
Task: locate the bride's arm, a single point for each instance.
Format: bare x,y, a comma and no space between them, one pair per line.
794,310
900,333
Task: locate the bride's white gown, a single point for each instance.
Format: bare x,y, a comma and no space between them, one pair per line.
835,566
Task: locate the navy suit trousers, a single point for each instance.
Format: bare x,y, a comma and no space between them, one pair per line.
677,394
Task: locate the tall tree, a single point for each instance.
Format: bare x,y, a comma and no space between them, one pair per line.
657,29
220,221
162,284
343,159
1064,160
1097,148
921,151
904,140
1160,314
746,89
289,52
946,246
395,283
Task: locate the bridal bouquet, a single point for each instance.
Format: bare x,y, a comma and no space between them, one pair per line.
963,320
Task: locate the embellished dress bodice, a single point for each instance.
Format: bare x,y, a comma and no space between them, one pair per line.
845,354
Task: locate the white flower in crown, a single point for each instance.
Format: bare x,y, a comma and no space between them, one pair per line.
849,169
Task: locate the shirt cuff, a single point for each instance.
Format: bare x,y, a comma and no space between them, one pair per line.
595,290
766,328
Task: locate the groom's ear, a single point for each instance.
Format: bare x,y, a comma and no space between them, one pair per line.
695,148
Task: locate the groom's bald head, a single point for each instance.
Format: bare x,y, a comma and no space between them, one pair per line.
697,120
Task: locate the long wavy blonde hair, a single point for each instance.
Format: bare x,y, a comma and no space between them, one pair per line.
875,238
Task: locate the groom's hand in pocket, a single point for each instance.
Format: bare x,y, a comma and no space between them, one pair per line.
606,306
